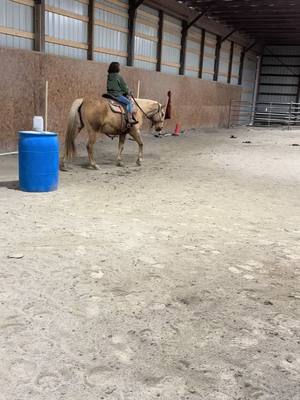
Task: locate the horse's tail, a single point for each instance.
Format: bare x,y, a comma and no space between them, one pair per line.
74,122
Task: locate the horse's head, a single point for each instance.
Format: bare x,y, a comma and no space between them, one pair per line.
158,118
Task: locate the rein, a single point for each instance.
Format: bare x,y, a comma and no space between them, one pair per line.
150,117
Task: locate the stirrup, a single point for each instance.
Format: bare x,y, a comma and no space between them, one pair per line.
133,122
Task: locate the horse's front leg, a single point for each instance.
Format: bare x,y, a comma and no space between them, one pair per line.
136,135
90,149
120,150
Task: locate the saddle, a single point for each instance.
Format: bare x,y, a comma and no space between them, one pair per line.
115,105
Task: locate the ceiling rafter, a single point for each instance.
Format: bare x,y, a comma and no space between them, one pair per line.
267,21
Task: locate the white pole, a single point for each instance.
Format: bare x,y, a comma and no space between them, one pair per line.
46,107
9,154
138,90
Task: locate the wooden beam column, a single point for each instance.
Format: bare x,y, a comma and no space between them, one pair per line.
91,15
202,47
184,34
230,62
131,32
217,57
298,92
39,25
242,61
160,40
132,11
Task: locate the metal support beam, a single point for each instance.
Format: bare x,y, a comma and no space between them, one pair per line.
227,36
138,3
132,11
280,61
202,46
39,25
242,61
250,47
190,24
298,92
256,89
160,40
91,16
131,31
184,34
297,108
230,62
196,19
269,22
217,57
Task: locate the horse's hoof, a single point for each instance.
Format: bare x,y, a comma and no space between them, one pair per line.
120,164
95,167
63,168
139,163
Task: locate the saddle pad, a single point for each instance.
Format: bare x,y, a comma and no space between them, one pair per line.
116,107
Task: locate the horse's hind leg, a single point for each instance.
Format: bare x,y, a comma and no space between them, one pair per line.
89,147
136,135
121,148
62,164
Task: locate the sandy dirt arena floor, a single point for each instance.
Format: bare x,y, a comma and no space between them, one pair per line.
177,280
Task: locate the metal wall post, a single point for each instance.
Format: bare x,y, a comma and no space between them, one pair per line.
184,35
39,25
91,15
230,62
202,47
160,41
255,94
290,111
229,118
217,57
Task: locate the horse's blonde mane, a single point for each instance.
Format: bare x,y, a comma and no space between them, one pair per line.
146,102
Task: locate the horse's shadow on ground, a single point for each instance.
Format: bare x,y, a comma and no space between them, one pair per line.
12,185
110,160
103,162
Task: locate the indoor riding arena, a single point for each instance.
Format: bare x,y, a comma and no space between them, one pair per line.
150,239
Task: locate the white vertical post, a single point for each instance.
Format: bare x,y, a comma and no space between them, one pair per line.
138,90
46,107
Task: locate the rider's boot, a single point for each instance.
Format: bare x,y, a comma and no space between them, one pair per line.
131,119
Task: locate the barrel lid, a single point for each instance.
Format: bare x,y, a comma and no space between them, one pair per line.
44,133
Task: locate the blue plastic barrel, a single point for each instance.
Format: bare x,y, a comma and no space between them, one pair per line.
38,161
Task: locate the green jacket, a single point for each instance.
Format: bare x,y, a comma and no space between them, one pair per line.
116,86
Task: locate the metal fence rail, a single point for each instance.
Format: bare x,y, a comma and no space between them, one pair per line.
240,113
264,114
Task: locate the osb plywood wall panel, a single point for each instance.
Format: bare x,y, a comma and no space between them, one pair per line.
196,103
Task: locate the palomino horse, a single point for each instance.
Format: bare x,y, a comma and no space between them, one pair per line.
96,116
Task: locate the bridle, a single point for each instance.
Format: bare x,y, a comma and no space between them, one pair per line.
150,117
